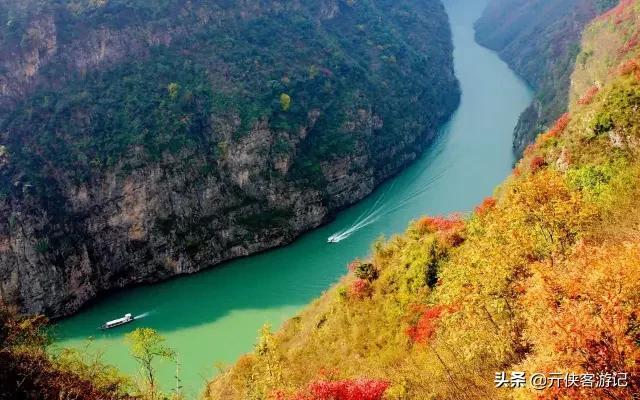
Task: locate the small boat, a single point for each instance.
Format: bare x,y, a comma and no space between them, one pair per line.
117,322
333,239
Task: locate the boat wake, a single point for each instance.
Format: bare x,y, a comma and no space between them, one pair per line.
379,209
143,315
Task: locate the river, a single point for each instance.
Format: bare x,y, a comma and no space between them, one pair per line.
213,317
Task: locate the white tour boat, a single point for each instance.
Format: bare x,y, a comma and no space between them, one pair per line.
117,322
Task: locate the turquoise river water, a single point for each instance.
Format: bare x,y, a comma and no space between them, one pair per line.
213,317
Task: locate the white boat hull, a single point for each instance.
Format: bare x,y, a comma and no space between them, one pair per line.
118,322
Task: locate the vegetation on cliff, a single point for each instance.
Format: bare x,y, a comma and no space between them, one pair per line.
540,40
144,139
541,277
184,92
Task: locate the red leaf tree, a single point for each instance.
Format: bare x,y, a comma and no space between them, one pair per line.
348,389
424,329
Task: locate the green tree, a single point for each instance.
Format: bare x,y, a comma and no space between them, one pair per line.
145,346
173,89
285,102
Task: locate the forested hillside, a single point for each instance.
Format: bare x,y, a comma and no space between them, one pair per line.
542,277
540,40
144,139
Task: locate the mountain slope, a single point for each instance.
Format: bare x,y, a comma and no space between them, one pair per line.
542,277
540,41
140,140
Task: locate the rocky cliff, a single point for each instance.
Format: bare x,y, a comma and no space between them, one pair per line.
141,140
540,40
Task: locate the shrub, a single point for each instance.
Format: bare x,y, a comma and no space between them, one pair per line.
629,67
602,123
537,163
557,129
587,98
356,389
360,289
347,389
441,224
366,271
424,328
42,246
487,205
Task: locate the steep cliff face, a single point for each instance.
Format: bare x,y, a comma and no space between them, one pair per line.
143,140
540,40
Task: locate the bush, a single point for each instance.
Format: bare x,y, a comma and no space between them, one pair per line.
366,271
602,123
41,246
360,289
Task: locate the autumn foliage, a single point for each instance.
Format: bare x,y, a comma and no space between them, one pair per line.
348,389
357,389
351,267
559,126
360,288
587,98
28,372
487,205
441,224
630,67
536,163
425,327
448,230
584,313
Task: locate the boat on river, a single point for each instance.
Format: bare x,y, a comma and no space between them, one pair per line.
333,239
128,318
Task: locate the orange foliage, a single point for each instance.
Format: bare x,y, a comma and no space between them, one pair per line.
587,98
487,205
630,67
562,123
537,163
360,289
584,315
630,45
449,230
424,329
441,224
559,126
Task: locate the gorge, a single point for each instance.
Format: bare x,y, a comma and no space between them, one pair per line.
214,316
369,238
